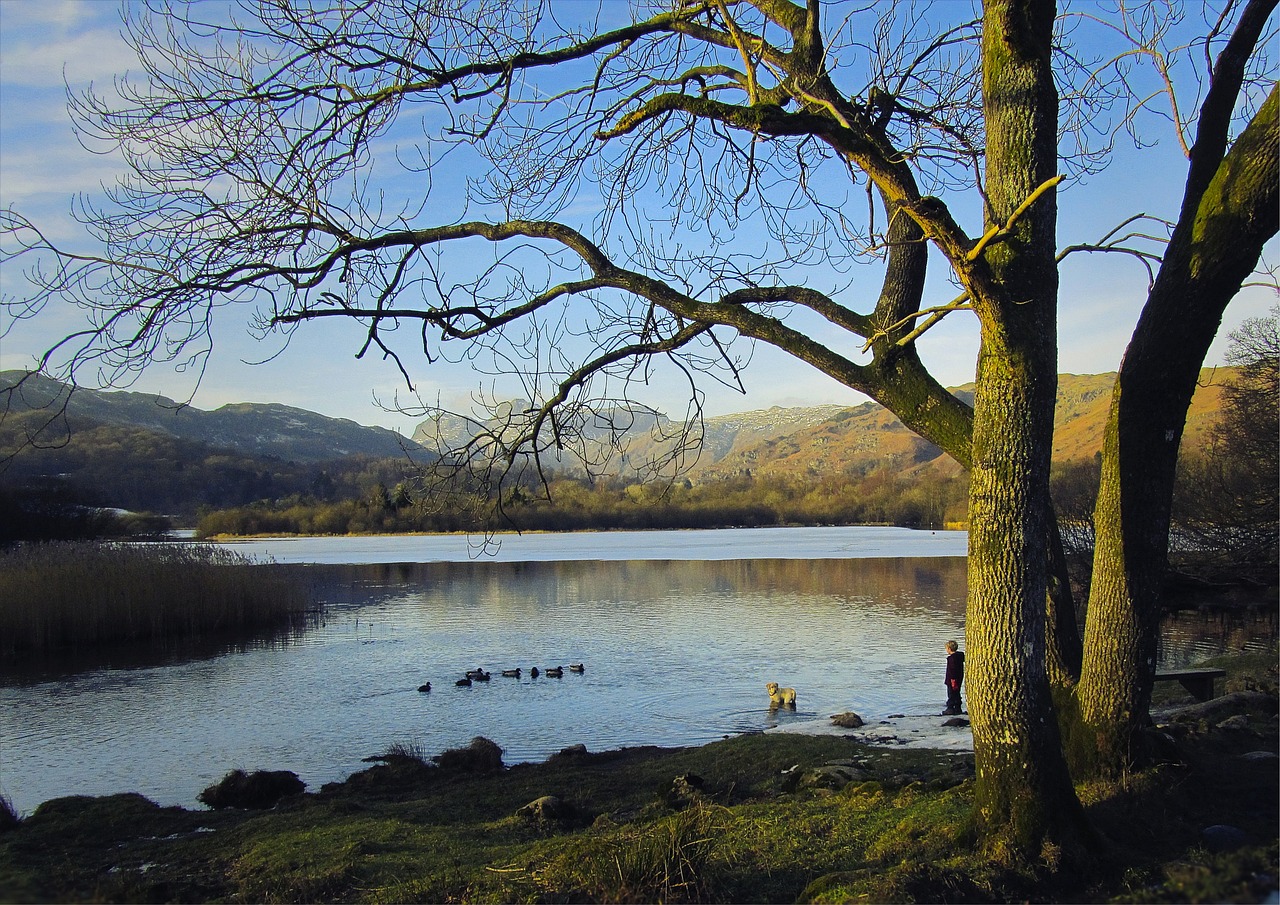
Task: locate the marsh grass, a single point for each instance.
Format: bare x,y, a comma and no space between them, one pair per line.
75,597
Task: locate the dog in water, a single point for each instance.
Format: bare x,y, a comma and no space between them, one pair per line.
781,697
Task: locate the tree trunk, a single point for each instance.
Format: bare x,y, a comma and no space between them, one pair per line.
1023,793
1214,248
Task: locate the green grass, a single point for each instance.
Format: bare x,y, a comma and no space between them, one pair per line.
69,597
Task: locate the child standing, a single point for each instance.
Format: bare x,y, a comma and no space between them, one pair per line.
955,676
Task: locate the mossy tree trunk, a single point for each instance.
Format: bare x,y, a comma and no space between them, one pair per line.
1023,793
1229,212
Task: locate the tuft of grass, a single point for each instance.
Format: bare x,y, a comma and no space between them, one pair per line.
9,816
405,751
76,597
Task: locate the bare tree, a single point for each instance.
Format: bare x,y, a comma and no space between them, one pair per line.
1227,506
755,170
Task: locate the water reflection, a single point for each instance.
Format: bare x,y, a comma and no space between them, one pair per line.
676,653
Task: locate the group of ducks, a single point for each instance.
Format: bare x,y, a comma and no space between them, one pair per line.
479,675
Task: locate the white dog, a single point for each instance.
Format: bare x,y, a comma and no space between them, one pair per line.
781,697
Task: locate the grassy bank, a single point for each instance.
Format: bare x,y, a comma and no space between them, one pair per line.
67,597
760,818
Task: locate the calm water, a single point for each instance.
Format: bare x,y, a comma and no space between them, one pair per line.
679,632
719,544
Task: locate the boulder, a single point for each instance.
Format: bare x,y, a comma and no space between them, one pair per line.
832,776
573,751
848,720
481,756
1218,709
1223,838
1237,723
547,809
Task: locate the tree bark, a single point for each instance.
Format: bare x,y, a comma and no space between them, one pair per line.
1214,248
1023,793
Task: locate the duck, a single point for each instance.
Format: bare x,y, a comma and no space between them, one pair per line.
577,667
555,672
463,683
533,673
477,675
512,673
426,687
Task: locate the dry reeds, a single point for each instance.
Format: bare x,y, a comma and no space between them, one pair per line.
85,596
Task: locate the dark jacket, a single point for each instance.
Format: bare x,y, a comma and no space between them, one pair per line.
955,669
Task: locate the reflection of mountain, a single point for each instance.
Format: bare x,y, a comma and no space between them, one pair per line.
777,588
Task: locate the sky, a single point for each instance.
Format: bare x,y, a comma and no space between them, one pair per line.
43,167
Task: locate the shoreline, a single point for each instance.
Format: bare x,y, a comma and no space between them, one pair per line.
916,731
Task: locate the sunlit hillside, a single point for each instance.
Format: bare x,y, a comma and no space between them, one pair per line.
868,437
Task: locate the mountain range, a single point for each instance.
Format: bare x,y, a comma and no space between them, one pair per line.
795,443
267,430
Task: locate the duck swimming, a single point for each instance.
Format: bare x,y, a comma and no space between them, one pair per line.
555,672
577,667
534,672
477,675
512,673
426,687
463,683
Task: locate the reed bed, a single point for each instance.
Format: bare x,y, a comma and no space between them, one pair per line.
74,597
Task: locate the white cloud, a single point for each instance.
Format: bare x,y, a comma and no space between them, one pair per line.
42,41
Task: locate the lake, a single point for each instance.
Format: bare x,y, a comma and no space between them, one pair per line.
678,633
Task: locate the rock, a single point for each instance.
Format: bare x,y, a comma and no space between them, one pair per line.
547,809
578,750
252,791
481,756
1223,838
957,722
832,776
1218,709
1237,723
848,720
1260,756
895,716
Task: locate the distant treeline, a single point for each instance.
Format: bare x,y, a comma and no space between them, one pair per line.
571,504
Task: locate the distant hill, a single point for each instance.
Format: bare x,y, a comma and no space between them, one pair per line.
145,452
868,437
255,429
832,439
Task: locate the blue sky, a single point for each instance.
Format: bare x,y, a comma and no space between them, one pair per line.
43,166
